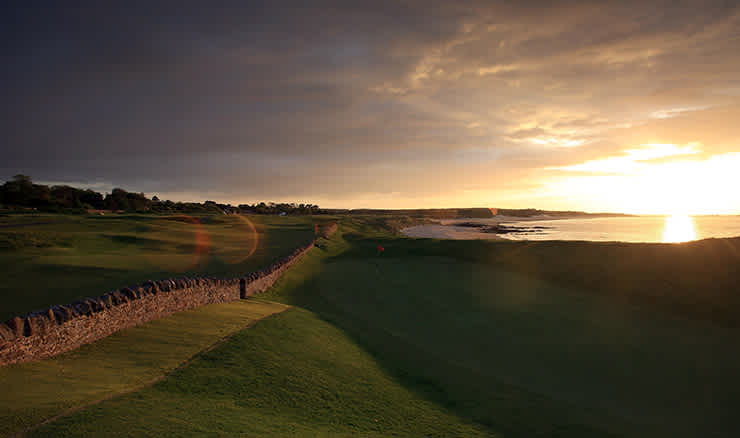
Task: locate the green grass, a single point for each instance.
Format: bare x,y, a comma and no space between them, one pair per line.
519,352
696,280
438,338
56,259
126,360
291,375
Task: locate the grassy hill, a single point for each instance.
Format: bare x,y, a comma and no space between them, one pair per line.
125,361
55,259
437,338
488,330
292,375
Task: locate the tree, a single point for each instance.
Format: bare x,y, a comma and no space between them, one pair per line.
22,191
92,198
117,200
23,180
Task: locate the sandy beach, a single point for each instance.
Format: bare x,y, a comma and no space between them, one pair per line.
446,228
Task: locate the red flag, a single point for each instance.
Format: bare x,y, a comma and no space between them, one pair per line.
380,248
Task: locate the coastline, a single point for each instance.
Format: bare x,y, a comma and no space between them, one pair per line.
634,229
440,231
446,228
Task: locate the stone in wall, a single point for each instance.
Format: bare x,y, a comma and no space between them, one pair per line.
65,327
6,333
16,325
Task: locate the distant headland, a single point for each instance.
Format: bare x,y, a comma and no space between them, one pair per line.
22,194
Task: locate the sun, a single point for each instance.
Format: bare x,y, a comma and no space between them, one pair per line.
679,228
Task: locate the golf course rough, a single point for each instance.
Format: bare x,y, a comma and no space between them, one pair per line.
62,328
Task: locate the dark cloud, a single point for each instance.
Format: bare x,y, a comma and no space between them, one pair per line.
277,99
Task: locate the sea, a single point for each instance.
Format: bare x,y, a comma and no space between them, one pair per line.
666,229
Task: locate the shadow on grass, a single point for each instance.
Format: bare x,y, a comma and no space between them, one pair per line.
500,407
427,338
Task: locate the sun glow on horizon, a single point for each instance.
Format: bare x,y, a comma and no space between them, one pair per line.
677,187
679,228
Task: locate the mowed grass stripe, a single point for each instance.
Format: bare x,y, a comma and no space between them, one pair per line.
34,392
292,375
56,259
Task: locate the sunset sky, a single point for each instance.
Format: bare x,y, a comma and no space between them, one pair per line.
597,106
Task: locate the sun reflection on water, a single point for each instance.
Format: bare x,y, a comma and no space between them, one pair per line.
678,228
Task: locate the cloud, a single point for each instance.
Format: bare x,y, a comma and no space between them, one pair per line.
260,100
661,150
675,112
633,160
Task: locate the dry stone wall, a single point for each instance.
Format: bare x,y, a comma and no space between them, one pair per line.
65,327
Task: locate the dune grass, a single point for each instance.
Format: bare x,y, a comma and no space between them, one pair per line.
56,259
126,360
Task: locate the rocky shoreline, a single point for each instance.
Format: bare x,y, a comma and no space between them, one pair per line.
503,228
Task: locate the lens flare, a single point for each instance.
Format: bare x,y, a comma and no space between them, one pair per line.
191,235
246,243
202,243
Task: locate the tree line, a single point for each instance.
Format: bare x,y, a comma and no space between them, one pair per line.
22,193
